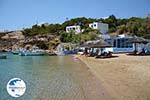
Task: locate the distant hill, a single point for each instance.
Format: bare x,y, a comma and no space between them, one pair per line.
48,36
134,26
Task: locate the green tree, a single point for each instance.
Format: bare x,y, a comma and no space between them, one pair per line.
122,29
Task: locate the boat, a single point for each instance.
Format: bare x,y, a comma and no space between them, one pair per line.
31,53
3,57
35,51
15,52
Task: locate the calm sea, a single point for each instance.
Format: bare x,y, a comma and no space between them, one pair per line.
46,77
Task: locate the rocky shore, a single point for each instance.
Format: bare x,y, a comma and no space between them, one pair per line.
9,39
16,39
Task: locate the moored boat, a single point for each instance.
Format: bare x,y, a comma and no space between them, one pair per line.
31,53
15,52
35,51
3,57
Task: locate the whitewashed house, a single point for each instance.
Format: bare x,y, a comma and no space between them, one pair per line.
75,28
103,28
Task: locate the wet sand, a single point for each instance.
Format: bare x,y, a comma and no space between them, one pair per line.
52,78
124,77
91,85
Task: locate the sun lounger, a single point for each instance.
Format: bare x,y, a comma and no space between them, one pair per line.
140,53
105,55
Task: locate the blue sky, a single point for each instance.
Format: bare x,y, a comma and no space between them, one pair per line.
16,14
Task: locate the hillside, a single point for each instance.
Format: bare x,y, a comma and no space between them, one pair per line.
134,26
48,36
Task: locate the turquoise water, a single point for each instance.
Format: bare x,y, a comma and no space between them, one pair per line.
46,77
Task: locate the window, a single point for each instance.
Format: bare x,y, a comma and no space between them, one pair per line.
68,29
122,43
118,43
114,43
130,45
94,25
126,44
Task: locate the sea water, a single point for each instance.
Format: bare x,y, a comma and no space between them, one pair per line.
46,77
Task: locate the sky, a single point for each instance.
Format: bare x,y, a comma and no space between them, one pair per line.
18,14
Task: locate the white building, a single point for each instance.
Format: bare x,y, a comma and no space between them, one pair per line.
120,44
76,29
99,26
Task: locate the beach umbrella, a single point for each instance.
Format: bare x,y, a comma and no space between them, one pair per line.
100,44
87,44
137,40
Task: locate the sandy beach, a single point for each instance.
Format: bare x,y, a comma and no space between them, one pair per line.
124,77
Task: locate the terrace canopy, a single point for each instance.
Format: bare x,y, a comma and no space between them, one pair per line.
137,40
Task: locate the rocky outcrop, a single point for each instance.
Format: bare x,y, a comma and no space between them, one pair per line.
13,35
8,39
16,39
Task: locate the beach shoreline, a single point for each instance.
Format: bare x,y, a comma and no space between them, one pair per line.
124,77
